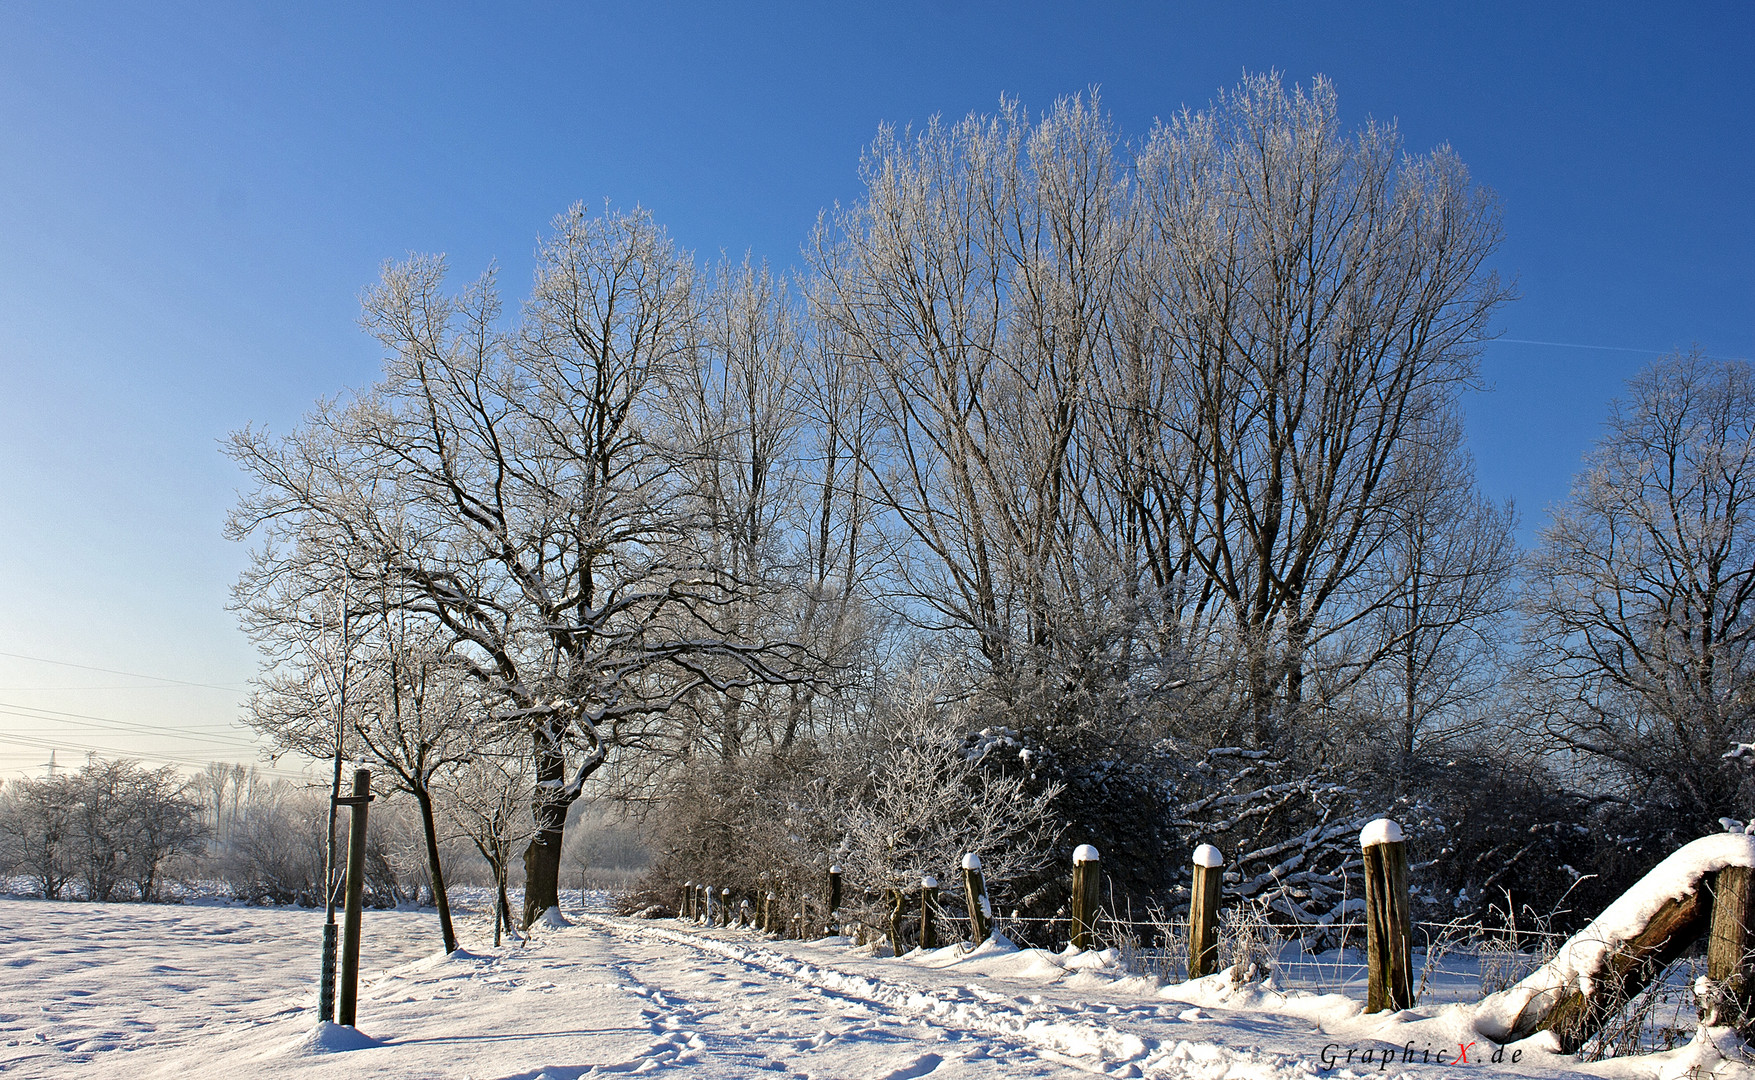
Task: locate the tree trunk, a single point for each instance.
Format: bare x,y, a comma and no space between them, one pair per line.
542,856
1627,970
435,870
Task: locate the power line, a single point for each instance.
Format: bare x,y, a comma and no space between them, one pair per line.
229,725
136,725
187,761
119,726
130,674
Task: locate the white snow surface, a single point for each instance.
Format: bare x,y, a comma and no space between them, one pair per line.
1380,831
1208,856
1085,853
160,991
1583,954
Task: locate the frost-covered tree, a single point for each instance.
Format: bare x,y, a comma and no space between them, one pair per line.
1641,595
936,791
413,712
1441,630
164,822
1316,298
486,801
37,821
507,484
975,282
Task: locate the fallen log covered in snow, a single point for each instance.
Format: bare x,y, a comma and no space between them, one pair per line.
1604,965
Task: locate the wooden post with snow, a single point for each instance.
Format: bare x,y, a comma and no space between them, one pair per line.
684,905
1388,933
768,912
833,925
1203,912
975,895
1728,959
1086,869
928,902
724,907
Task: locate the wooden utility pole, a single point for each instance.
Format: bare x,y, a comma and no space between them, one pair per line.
356,881
1388,932
1203,912
1086,868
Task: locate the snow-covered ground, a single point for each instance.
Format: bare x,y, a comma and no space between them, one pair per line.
137,991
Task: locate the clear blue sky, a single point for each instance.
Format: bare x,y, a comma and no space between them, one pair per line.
192,197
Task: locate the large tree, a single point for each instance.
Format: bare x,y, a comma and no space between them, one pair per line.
1315,300
510,486
1641,595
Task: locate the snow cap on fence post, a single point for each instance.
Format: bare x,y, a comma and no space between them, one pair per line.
975,896
1388,928
928,910
832,925
1203,912
1084,896
1380,831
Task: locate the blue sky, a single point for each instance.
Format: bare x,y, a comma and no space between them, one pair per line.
192,197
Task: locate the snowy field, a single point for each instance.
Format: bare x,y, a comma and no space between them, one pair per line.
134,990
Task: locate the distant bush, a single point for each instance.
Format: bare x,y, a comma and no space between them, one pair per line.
111,826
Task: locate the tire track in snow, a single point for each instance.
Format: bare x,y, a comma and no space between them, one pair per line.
1056,1034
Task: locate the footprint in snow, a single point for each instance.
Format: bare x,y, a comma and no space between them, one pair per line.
920,1066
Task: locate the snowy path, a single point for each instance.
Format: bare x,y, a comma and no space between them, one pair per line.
167,991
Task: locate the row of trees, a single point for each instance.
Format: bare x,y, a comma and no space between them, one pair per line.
1124,479
114,830
108,827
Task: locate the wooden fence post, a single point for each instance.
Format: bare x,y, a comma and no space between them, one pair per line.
1203,912
898,902
768,905
1084,896
1388,935
928,903
833,926
724,907
1728,959
975,895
